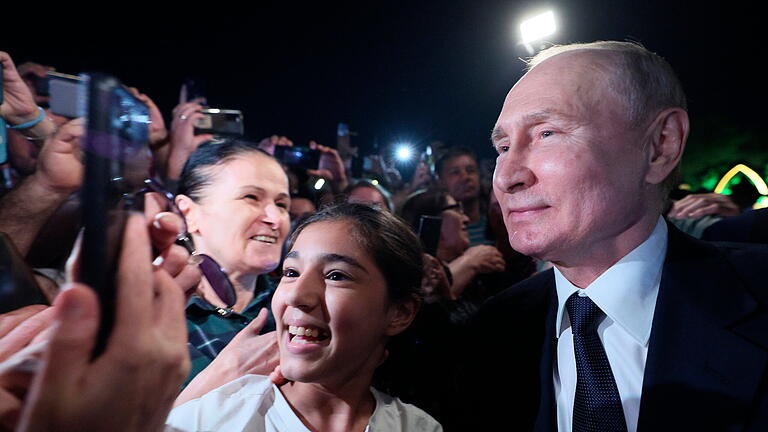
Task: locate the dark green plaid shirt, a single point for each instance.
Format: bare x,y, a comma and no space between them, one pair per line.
210,328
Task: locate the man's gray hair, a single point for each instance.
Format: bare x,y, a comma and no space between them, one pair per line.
643,78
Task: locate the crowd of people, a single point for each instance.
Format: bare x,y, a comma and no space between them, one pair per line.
247,298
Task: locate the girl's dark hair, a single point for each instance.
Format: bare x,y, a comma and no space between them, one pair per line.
430,202
196,176
395,249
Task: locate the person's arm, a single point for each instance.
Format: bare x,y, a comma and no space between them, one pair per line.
700,205
132,384
331,167
474,261
19,105
25,209
182,139
435,283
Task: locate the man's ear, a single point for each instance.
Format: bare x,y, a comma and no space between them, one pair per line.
668,134
189,209
400,315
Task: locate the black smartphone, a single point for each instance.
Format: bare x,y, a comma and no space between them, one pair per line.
429,233
221,122
117,161
298,157
66,94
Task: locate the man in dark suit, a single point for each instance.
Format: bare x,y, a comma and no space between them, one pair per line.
637,326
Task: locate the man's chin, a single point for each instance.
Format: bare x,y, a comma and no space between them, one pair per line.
527,245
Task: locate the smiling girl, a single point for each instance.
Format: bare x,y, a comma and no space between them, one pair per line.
351,281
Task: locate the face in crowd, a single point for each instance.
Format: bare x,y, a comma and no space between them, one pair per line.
454,238
461,177
572,174
241,216
334,307
367,195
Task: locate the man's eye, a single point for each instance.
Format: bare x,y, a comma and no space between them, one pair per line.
502,148
289,272
251,197
282,205
547,134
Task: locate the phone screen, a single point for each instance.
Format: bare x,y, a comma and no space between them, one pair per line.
117,161
298,157
65,94
429,233
220,122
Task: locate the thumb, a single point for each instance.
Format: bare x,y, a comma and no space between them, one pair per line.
77,321
254,327
199,139
276,376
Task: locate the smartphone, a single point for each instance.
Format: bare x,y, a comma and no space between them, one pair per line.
65,94
429,233
220,122
298,157
117,161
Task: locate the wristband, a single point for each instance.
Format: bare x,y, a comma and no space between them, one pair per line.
29,124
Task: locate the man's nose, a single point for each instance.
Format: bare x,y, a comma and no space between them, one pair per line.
512,174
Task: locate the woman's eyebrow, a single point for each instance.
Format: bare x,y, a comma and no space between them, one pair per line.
331,258
262,191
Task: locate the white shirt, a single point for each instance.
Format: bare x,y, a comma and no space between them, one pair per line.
252,403
627,293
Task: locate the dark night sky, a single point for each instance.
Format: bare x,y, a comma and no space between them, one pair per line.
418,71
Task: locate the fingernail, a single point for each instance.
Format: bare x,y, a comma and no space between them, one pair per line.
156,220
73,308
158,261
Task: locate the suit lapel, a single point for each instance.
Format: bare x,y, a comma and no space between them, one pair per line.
707,355
546,420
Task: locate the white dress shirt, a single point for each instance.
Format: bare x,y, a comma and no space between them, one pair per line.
627,293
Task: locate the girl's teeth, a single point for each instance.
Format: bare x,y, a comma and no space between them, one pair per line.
302,331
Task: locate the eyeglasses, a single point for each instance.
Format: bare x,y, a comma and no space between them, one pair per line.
210,269
457,207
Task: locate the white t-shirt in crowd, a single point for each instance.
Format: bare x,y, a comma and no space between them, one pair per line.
252,403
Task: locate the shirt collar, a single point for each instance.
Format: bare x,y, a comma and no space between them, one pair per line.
198,306
627,291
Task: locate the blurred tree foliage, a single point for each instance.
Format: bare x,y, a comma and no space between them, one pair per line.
716,145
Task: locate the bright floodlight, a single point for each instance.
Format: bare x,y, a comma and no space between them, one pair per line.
403,153
538,27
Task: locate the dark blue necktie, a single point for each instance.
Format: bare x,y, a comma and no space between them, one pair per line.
597,406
